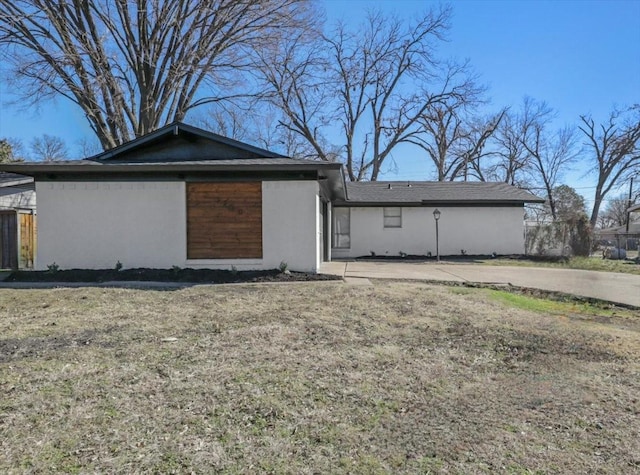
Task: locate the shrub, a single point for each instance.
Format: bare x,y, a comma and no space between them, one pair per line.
580,236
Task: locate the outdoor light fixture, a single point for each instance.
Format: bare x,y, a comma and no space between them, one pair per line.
436,216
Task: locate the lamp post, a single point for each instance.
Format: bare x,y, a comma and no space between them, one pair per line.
436,216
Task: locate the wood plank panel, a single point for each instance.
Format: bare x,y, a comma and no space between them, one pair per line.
27,240
8,240
224,220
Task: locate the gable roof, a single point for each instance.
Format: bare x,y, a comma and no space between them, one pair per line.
178,141
436,193
180,151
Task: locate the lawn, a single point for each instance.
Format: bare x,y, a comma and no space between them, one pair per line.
315,378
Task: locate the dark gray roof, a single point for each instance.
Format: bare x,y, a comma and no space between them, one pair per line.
425,192
13,179
329,174
106,166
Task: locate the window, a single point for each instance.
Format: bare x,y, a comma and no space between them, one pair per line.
392,217
341,228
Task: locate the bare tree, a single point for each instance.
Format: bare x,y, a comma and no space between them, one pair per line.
550,152
614,213
88,146
474,147
48,148
454,139
511,158
361,85
134,66
530,152
297,82
614,147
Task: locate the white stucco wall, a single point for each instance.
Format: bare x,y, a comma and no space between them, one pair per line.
477,230
290,224
93,225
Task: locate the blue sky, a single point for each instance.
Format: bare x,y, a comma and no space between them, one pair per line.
581,57
578,56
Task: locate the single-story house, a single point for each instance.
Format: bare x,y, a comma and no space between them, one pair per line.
17,221
620,236
397,218
181,196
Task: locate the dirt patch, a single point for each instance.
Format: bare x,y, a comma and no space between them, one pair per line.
13,349
165,275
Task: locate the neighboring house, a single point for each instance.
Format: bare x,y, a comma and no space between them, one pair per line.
17,221
619,236
184,197
396,218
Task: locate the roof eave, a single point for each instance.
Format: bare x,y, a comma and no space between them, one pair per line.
85,169
17,182
436,203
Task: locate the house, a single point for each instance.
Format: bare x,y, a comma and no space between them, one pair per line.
397,218
181,196
619,236
17,221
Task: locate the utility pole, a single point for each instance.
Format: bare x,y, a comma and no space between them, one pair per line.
629,204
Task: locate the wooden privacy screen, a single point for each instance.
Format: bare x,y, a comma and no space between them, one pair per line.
8,240
27,240
224,220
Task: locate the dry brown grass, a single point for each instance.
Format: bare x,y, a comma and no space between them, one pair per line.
312,378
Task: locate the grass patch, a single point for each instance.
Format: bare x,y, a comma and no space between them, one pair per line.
556,304
313,378
533,304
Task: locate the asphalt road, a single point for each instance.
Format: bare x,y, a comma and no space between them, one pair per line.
609,286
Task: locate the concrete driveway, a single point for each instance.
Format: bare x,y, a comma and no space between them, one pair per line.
610,286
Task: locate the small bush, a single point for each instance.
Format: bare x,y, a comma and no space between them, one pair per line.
53,268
